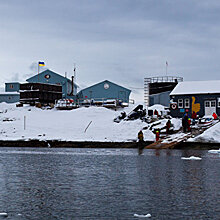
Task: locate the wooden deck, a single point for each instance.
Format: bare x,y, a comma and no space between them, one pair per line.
171,141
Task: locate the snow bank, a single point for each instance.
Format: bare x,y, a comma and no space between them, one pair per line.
211,135
157,107
67,125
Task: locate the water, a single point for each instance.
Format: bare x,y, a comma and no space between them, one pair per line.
108,184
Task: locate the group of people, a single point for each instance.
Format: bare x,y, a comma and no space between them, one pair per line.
186,122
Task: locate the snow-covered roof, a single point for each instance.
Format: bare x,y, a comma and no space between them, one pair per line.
9,93
196,87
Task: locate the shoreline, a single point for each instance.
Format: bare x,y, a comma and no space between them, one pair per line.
98,144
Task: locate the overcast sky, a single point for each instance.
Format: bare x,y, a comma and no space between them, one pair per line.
119,40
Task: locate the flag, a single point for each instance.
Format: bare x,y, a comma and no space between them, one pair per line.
41,63
166,63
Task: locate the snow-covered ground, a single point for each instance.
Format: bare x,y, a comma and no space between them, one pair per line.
67,125
211,135
71,125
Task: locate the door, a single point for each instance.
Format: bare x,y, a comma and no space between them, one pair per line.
122,96
210,107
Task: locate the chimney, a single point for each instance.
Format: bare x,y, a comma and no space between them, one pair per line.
72,82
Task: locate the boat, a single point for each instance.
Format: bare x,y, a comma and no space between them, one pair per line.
206,121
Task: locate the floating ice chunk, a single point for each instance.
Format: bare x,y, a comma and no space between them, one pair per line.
142,216
191,158
3,214
214,151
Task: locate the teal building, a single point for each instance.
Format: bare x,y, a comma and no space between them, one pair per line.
9,97
51,77
12,87
104,90
11,94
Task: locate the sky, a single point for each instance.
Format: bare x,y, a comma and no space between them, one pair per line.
123,41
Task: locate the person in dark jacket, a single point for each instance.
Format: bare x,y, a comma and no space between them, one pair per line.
140,141
168,125
185,122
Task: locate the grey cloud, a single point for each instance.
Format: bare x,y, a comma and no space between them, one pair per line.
123,41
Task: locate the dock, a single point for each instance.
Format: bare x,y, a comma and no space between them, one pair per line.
173,140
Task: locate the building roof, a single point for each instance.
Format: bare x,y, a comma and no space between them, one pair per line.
51,72
9,93
105,81
197,87
12,83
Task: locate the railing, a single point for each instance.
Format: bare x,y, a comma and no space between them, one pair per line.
158,79
163,79
101,102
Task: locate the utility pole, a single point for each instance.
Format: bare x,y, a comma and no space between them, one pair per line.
166,67
74,76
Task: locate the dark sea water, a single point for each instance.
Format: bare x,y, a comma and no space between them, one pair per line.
108,184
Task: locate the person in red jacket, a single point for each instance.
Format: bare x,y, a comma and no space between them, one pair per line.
188,124
214,116
157,135
193,115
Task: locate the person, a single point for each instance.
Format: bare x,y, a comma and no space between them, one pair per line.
157,135
214,115
194,116
156,112
185,121
189,124
140,141
168,125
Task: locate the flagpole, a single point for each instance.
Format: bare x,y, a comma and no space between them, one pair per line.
38,71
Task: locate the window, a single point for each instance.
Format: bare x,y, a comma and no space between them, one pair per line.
207,104
219,102
213,103
11,86
180,103
186,103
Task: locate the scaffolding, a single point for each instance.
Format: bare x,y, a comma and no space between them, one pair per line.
159,79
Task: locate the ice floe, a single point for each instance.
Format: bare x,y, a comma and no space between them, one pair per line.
214,151
142,216
4,214
191,158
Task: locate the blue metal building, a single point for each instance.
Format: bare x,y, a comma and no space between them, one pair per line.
12,87
51,77
201,97
9,97
104,91
11,94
